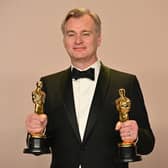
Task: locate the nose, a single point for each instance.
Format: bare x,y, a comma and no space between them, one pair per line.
78,39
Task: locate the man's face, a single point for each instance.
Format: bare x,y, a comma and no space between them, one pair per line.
81,39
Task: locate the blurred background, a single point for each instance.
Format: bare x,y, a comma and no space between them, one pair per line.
135,40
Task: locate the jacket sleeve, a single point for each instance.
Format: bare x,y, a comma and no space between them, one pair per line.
146,139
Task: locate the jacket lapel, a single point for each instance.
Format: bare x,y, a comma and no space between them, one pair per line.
70,107
98,100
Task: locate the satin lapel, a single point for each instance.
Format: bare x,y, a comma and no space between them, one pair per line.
70,108
98,101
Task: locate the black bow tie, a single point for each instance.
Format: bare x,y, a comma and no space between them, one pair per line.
76,74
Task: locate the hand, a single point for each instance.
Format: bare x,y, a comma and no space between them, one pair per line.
128,130
35,123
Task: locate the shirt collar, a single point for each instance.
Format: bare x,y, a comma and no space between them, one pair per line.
95,65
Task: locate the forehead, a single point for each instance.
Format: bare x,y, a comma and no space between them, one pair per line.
84,21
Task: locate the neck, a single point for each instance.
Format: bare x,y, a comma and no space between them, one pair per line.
83,64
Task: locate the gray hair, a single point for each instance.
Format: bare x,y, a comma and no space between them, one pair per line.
79,12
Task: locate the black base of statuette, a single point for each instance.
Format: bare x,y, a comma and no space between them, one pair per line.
128,153
37,146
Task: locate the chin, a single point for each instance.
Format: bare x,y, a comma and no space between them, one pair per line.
79,56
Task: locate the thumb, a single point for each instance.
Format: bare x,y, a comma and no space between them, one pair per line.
43,118
118,126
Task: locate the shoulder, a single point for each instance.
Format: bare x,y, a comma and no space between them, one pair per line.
120,79
117,74
56,81
56,76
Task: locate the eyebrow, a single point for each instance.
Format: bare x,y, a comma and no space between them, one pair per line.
83,31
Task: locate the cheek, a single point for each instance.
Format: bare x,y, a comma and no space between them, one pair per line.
96,41
90,43
67,43
95,44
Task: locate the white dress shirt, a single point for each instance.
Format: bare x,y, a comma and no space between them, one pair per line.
83,90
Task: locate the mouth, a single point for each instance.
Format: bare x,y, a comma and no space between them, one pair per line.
79,49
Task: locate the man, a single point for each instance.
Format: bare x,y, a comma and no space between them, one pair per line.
81,120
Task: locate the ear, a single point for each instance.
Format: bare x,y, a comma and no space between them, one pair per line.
63,40
99,40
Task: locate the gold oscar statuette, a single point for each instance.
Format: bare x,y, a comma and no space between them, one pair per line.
37,143
127,149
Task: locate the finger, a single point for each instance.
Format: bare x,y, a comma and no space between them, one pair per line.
126,136
129,126
43,117
129,131
118,126
33,123
35,130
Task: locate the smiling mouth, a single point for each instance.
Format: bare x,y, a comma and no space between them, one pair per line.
79,48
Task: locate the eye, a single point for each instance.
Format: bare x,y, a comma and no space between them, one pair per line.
70,34
86,33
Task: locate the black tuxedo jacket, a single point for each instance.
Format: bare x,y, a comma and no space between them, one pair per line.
99,146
